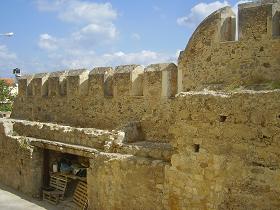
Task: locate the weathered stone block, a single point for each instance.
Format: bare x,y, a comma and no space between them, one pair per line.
38,85
57,83
253,20
23,83
100,82
160,80
128,81
77,82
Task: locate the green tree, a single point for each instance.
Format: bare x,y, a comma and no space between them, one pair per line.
5,96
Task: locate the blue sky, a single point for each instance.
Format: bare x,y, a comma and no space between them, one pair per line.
53,35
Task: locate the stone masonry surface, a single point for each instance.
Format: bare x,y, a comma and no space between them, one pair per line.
203,135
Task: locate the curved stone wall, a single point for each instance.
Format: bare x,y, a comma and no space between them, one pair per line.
214,60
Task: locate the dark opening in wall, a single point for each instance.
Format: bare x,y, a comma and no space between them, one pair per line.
222,118
267,65
276,24
196,148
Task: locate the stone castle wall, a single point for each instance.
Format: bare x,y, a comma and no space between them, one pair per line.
228,153
213,59
126,182
152,146
117,172
21,164
226,156
101,98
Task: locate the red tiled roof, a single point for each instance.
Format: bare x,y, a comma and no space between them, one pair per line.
8,81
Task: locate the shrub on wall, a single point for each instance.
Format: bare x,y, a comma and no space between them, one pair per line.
6,97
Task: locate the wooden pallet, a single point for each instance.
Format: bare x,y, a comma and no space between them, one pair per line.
58,185
80,195
51,198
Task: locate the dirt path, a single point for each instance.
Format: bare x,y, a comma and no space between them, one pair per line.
13,200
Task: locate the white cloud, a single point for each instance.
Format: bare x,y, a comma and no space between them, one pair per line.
143,57
96,32
202,10
88,12
199,12
47,42
77,11
95,20
72,58
95,28
8,61
5,54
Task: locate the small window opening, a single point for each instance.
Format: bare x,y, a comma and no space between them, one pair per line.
222,118
196,148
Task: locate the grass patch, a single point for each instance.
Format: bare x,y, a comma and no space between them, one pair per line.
275,85
6,107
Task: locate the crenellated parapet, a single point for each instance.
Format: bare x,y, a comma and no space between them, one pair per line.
255,20
101,82
38,85
23,84
154,81
259,20
77,82
224,55
128,80
160,80
106,97
57,84
103,97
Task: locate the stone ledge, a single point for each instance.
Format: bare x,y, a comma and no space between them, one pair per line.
89,140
